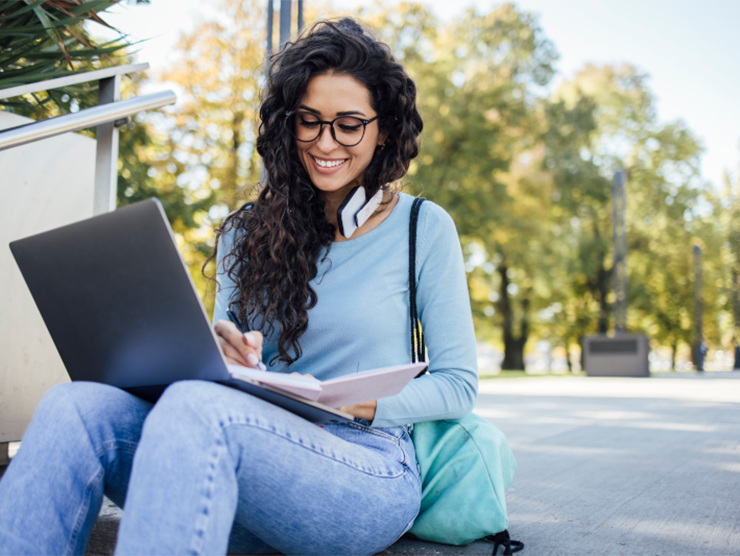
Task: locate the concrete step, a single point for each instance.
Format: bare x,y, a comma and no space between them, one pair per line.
103,540
105,531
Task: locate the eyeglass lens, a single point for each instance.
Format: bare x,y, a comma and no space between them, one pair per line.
348,131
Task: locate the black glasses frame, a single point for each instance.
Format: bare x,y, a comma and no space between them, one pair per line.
330,124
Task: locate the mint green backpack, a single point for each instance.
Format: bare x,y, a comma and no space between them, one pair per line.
466,464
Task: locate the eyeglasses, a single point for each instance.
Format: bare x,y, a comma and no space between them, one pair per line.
348,131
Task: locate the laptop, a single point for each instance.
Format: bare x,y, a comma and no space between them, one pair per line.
122,309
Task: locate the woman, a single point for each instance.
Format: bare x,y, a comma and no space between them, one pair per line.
210,469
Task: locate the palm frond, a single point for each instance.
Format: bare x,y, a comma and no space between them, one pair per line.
44,39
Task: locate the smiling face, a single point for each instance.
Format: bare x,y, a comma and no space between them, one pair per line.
333,168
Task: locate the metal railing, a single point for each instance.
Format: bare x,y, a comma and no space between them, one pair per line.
110,113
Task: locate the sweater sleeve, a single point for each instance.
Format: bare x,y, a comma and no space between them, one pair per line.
226,286
450,389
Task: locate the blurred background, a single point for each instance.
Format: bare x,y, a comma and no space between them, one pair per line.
529,109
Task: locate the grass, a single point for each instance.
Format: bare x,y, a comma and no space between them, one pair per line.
524,374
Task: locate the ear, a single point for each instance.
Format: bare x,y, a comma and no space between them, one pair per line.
382,138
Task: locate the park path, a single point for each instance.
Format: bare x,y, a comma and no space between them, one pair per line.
626,466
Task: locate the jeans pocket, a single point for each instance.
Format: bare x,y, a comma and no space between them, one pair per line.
378,440
376,432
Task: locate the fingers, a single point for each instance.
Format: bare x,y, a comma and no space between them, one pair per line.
231,354
227,330
243,349
305,374
254,340
364,410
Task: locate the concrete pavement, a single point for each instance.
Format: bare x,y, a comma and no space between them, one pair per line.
628,466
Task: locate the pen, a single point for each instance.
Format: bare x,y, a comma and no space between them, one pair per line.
233,318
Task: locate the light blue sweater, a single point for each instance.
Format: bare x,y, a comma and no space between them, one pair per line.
361,320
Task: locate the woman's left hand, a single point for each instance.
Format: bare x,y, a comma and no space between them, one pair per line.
364,410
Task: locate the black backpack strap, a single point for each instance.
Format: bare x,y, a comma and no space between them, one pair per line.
503,539
417,336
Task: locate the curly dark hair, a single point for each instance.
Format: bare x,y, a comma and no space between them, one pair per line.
279,236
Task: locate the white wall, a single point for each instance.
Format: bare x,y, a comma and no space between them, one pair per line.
43,185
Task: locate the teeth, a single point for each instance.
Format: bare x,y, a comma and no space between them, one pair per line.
328,163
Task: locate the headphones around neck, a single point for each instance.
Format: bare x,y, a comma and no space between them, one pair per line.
356,209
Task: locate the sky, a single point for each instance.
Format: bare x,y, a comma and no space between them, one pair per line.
689,48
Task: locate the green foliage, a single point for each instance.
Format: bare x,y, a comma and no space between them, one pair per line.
479,79
727,207
45,39
618,129
199,159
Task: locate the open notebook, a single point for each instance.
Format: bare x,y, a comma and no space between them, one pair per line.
337,392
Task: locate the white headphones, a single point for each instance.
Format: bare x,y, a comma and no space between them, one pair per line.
356,209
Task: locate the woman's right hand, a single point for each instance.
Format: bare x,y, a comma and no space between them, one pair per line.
239,349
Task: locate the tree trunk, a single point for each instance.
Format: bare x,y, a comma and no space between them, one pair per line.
602,286
599,285
674,348
513,345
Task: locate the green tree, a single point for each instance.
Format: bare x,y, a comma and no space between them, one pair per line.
199,158
579,221
477,79
730,221
666,211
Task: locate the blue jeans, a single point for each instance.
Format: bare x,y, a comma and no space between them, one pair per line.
206,470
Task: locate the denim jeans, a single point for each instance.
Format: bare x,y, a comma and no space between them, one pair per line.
206,470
